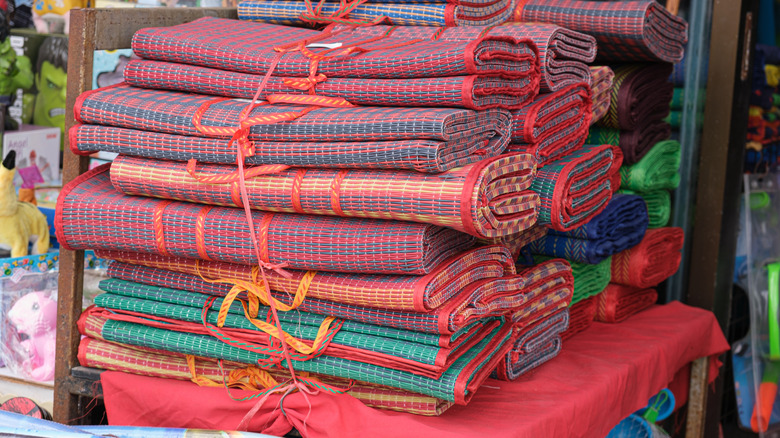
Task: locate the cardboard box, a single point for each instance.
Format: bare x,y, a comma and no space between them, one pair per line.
37,145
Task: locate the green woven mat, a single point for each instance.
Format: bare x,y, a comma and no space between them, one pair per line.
589,279
658,170
208,346
659,206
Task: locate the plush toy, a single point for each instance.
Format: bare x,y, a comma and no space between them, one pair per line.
34,316
20,222
49,15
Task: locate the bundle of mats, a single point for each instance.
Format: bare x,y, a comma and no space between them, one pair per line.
639,30
400,12
207,372
91,214
534,346
654,260
563,53
575,188
255,48
554,124
620,226
601,89
179,126
517,242
640,93
550,285
658,170
478,299
659,206
456,384
581,316
490,198
619,302
589,279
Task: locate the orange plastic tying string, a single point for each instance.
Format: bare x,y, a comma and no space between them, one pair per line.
199,380
233,176
296,190
200,233
335,190
248,378
159,231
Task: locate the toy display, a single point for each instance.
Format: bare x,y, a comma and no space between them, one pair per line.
15,71
19,221
53,16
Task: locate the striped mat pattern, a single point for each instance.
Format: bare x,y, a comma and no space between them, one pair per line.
563,53
491,198
249,47
549,285
589,279
554,124
602,91
428,139
577,187
400,13
641,93
534,346
96,353
91,214
457,384
658,170
659,206
516,242
638,30
620,226
417,353
407,293
654,260
634,144
617,303
581,317
474,92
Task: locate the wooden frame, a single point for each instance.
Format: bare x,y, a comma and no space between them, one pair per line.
110,29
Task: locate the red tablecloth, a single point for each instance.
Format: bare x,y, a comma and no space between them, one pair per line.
601,376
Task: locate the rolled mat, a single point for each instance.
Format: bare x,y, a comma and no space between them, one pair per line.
563,53
602,91
641,93
641,30
533,346
96,353
477,300
658,170
91,214
618,302
516,242
634,144
554,124
391,292
400,13
659,206
589,279
652,261
426,139
620,226
249,47
423,354
491,198
457,384
581,317
475,92
548,288
577,187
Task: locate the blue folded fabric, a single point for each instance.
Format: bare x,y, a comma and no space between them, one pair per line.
620,226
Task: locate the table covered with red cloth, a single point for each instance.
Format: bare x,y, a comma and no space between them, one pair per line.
619,366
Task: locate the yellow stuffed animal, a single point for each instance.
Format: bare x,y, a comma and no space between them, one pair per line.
20,222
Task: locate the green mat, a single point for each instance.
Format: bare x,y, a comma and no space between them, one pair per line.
658,170
589,279
659,206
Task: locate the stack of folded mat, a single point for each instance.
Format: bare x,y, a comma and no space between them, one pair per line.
603,77
366,217
581,317
398,12
641,95
653,178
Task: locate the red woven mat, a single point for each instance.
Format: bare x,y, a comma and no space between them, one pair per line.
654,260
617,302
581,316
